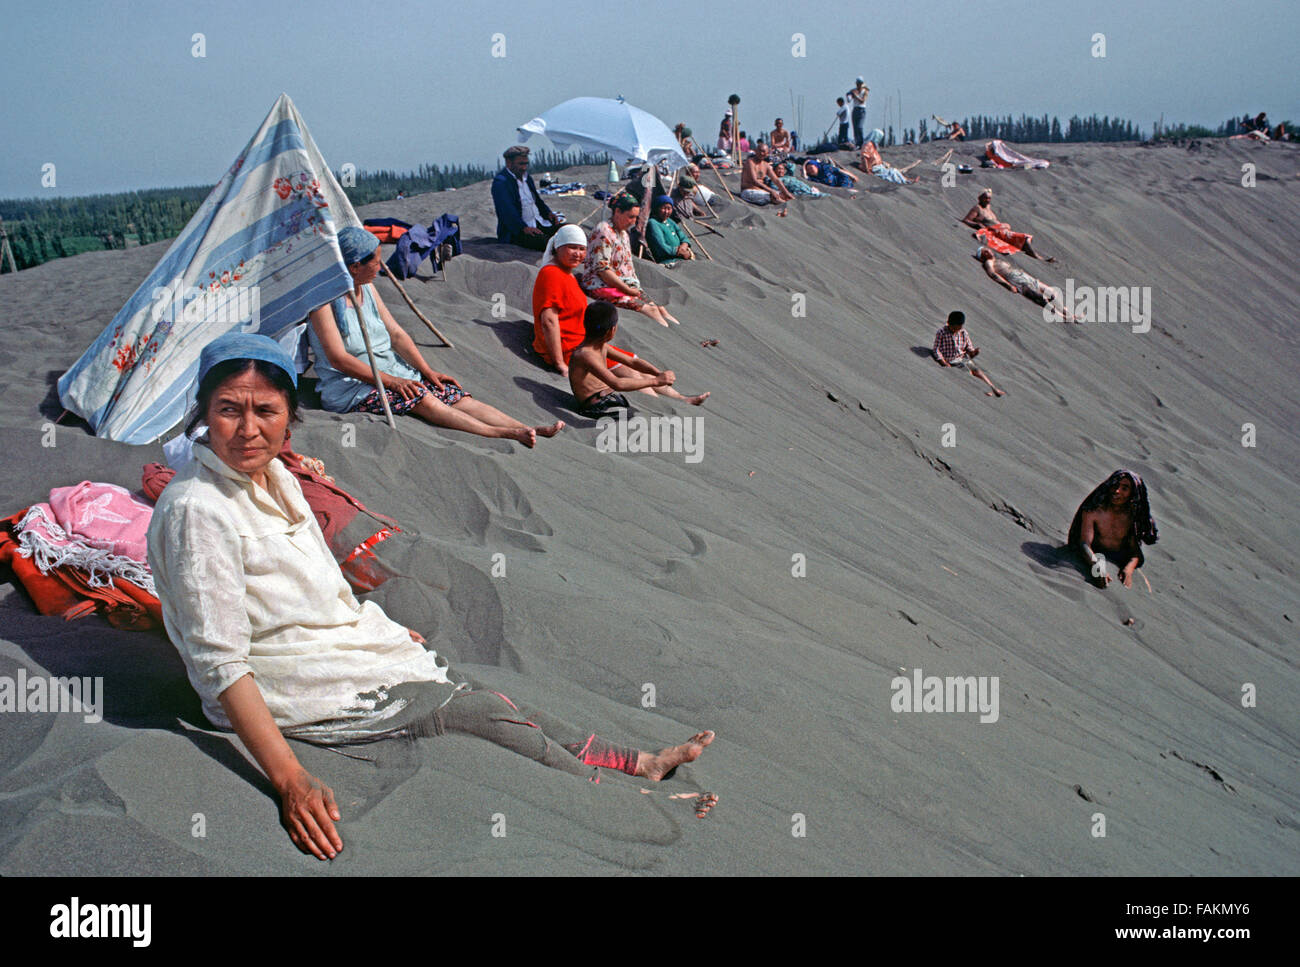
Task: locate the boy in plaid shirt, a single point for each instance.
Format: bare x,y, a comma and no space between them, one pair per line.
953,348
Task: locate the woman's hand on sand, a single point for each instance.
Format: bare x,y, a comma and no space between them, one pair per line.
407,389
415,636
309,813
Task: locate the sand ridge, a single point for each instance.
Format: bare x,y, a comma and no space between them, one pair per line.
823,438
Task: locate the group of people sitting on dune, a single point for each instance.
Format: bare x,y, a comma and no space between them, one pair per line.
273,639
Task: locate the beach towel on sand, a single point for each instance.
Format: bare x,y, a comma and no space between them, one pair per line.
1004,156
1002,239
67,591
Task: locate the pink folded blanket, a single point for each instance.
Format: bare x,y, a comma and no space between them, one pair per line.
98,527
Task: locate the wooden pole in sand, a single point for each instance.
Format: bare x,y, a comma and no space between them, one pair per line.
714,169
697,241
392,278
6,251
374,370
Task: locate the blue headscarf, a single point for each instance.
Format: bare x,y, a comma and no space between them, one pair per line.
356,244
247,345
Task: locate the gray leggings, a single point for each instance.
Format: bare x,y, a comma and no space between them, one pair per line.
492,716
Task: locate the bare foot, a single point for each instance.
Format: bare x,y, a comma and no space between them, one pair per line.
697,400
656,765
705,802
551,430
525,435
996,392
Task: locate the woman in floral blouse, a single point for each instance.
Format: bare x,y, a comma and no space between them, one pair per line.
607,271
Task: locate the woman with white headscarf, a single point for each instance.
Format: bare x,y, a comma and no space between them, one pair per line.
558,299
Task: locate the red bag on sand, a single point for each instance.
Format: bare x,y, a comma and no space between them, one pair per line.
351,529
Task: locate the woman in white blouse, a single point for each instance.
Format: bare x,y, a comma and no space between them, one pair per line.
272,637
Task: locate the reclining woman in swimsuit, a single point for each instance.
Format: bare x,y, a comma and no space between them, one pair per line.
985,222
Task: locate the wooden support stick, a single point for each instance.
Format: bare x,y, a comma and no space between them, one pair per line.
392,278
374,370
697,241
720,181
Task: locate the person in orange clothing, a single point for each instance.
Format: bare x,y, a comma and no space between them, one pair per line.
559,302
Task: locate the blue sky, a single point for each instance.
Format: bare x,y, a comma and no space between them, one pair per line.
112,95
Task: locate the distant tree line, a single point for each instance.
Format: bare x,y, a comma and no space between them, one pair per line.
1046,129
41,229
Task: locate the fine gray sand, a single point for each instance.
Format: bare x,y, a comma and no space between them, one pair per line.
823,438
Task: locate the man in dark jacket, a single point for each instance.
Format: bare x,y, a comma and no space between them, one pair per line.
522,216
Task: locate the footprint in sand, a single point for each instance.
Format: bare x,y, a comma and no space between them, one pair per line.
478,499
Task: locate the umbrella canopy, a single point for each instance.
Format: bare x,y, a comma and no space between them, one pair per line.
259,254
609,125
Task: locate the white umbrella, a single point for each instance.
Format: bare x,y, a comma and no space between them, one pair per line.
612,126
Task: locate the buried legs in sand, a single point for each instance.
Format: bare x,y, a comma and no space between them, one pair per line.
551,741
472,416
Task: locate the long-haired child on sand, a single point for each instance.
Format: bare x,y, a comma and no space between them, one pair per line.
600,374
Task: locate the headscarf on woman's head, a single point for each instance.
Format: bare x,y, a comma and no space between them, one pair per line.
356,244
568,235
247,345
623,202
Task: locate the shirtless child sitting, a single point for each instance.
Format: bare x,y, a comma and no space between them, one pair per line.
600,374
1114,519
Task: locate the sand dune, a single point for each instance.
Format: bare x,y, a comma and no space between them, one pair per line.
823,438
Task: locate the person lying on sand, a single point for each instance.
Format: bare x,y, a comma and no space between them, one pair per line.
997,234
599,373
753,180
1010,276
607,271
796,186
827,172
869,160
953,347
347,383
274,641
1116,520
684,195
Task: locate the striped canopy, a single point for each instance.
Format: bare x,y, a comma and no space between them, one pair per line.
259,254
